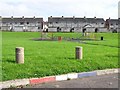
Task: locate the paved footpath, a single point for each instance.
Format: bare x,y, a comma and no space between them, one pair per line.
102,81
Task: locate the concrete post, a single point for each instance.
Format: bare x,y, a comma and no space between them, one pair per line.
78,52
19,55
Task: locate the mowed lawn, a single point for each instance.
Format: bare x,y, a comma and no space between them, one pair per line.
46,58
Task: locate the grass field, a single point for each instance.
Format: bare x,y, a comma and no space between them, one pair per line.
46,58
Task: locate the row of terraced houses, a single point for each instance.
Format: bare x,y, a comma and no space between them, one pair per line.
58,24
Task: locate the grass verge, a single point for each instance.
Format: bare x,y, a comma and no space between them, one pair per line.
46,58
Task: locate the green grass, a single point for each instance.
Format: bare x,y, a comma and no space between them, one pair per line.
46,58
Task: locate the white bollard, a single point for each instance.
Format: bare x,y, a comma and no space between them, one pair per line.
19,55
78,52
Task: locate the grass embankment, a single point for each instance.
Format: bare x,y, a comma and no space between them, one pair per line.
46,58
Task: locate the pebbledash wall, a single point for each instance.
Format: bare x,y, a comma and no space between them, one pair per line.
59,24
67,24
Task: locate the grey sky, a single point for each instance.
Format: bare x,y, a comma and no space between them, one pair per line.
119,9
45,8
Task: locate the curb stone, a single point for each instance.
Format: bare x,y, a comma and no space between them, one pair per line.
14,83
61,77
107,71
87,74
42,80
72,75
18,82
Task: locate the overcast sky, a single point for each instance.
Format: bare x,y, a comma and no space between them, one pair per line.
119,9
68,8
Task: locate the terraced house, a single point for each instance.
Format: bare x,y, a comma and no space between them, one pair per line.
59,24
112,24
21,24
66,24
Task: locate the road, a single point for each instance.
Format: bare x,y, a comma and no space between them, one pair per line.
103,81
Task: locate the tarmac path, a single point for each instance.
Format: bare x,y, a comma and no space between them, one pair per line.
102,81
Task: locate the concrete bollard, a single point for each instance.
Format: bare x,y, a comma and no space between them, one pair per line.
78,51
19,55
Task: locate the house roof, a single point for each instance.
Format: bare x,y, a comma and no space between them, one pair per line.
64,19
22,20
113,21
73,19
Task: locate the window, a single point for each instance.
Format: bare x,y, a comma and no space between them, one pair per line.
4,22
38,27
27,22
21,23
38,22
102,23
50,22
15,22
56,22
111,24
116,24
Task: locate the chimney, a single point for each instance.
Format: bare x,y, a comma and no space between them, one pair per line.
34,17
109,18
62,16
73,17
50,16
95,17
11,17
22,17
84,17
